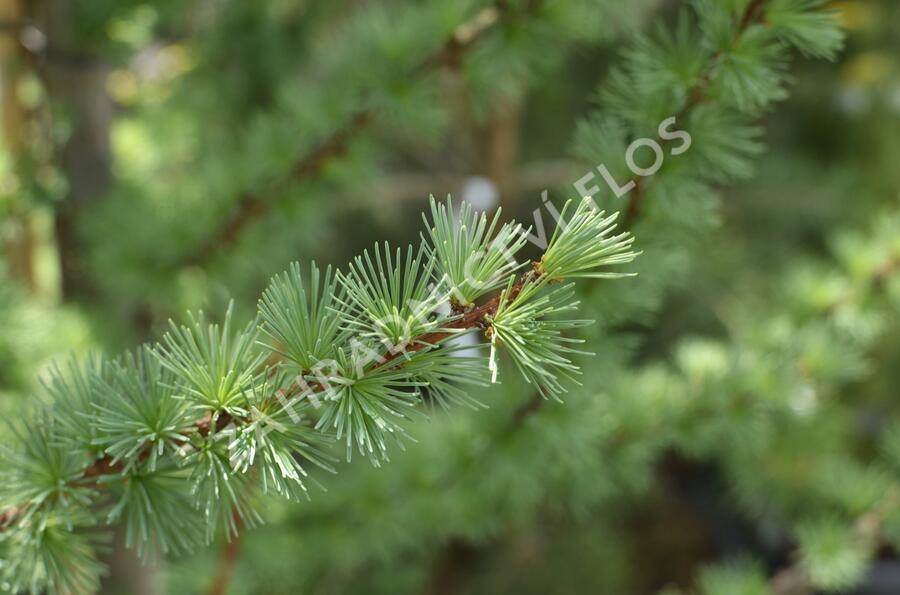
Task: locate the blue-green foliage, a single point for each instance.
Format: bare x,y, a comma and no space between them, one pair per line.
183,434
180,436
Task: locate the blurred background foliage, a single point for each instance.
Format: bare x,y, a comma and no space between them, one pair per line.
149,166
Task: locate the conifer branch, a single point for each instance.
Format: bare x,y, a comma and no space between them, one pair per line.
201,413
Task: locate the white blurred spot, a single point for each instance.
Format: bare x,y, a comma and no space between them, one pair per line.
481,193
805,401
854,100
894,98
33,39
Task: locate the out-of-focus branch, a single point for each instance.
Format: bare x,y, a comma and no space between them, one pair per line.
698,94
253,205
19,240
795,580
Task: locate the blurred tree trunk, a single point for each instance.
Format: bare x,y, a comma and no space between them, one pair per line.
19,240
76,81
87,166
128,575
501,146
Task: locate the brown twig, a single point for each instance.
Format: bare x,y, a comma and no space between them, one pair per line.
228,559
754,13
107,465
478,317
632,210
9,516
